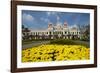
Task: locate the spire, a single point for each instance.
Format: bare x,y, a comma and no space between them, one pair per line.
65,24
49,25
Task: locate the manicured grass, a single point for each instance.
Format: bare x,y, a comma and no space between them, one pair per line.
69,42
59,42
63,42
24,42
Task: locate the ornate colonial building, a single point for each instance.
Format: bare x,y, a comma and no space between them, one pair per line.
56,32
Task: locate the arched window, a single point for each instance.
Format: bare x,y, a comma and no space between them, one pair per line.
50,32
77,32
61,32
36,33
65,32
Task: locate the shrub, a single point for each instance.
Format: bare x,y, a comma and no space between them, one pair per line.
63,42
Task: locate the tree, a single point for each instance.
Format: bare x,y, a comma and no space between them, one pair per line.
25,32
85,32
23,26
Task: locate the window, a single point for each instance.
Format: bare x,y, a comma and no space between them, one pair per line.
38,33
61,32
65,32
77,32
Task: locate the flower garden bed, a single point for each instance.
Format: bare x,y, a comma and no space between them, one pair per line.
54,52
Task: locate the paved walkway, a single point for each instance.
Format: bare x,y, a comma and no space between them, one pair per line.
34,43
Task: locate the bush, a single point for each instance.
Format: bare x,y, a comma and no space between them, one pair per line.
63,41
85,38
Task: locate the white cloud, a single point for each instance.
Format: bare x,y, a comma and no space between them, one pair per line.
45,19
48,13
28,17
51,13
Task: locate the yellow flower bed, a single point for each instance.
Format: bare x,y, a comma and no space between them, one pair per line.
55,53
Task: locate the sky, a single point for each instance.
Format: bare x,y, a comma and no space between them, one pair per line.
40,19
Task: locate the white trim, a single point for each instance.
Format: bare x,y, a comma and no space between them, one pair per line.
44,64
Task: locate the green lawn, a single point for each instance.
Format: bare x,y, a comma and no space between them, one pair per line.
58,41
